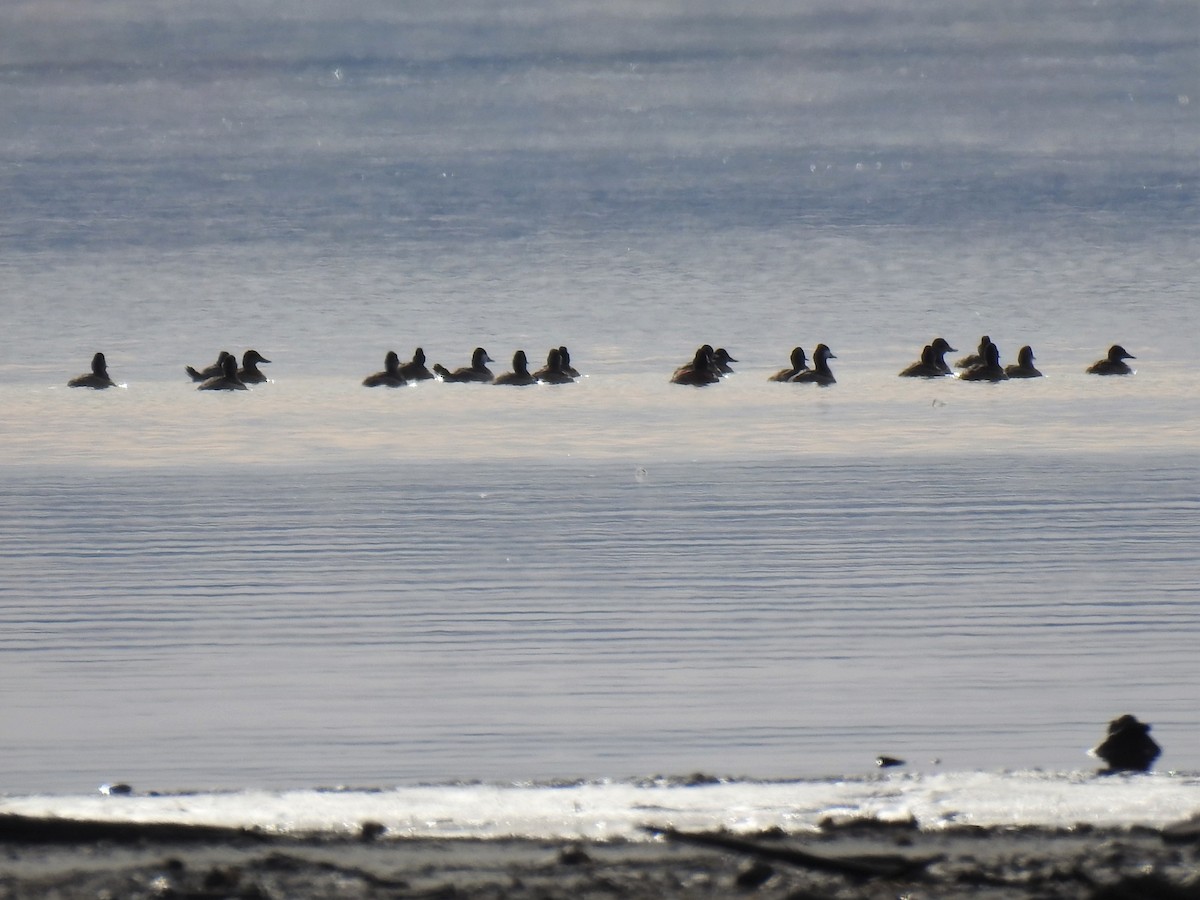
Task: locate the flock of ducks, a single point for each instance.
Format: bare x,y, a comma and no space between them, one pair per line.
558,370
707,366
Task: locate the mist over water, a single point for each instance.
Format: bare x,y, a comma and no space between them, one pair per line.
316,583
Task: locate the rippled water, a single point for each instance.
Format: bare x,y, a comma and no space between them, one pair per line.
314,583
430,621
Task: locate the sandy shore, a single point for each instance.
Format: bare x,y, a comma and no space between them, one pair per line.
49,858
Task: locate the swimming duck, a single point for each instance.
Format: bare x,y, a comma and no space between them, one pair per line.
721,361
799,364
553,371
941,347
1024,367
820,373
564,356
209,371
989,370
699,371
520,373
249,373
228,379
415,369
979,357
927,367
476,372
1114,363
97,378
390,376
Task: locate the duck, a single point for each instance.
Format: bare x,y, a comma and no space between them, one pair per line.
249,372
941,347
927,367
97,378
820,374
208,371
228,379
415,369
553,371
477,372
390,376
989,370
520,373
721,361
1024,367
977,358
1114,363
799,364
564,356
699,371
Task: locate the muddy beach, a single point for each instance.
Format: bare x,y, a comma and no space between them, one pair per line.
68,860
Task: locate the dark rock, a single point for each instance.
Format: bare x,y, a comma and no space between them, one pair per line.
371,831
574,855
754,876
888,762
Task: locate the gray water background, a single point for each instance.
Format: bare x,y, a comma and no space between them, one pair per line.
315,583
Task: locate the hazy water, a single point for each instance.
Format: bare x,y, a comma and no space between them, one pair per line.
314,583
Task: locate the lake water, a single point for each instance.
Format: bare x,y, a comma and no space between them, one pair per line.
313,583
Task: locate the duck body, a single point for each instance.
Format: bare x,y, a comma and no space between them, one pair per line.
520,372
820,374
553,372
1127,747
390,376
799,364
926,367
1023,367
97,378
1114,363
721,361
477,372
249,373
978,358
699,372
209,371
564,357
415,369
989,370
941,347
228,379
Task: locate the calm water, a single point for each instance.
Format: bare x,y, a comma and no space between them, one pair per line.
313,583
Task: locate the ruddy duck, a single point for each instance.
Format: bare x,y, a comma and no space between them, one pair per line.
564,358
228,379
553,372
390,376
989,370
699,371
799,364
927,367
249,373
97,378
979,357
477,372
820,373
721,361
1024,367
415,370
1114,363
209,371
520,373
